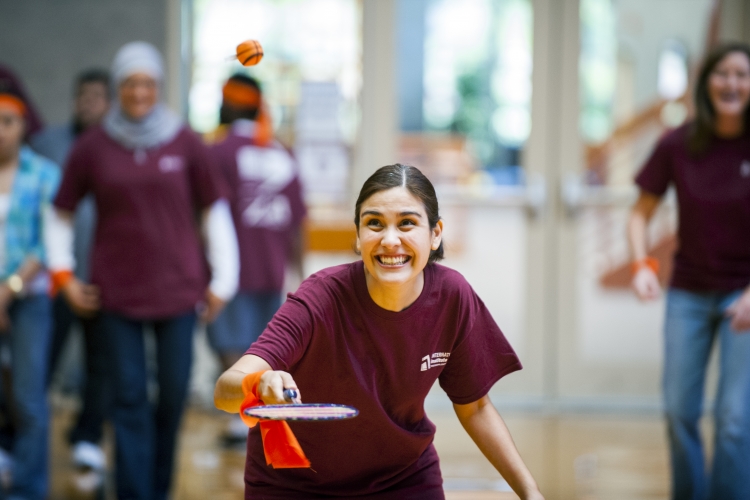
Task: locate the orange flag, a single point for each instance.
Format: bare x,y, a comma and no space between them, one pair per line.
280,446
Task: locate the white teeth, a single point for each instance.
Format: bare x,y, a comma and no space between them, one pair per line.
392,260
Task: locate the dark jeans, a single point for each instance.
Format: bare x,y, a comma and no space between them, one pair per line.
97,392
145,438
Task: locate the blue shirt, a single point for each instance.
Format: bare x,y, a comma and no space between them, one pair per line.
34,187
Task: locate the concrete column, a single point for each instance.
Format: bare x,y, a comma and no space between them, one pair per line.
178,53
410,58
553,149
734,21
378,130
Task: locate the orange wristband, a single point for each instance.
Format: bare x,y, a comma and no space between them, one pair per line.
59,280
250,390
649,262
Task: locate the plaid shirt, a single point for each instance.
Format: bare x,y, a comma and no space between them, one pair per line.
33,189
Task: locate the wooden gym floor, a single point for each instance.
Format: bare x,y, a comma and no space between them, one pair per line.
581,457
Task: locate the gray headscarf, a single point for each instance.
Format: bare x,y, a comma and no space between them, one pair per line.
161,125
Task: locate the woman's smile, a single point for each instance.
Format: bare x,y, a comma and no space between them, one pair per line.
392,260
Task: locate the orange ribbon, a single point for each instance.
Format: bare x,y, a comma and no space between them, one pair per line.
59,280
280,446
243,96
240,95
12,103
649,262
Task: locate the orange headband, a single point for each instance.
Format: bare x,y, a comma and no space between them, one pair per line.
240,96
9,101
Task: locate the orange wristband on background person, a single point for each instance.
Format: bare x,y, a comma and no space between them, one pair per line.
59,280
280,446
649,262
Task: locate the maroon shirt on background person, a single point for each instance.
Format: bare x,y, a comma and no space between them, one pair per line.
267,207
341,347
147,256
713,194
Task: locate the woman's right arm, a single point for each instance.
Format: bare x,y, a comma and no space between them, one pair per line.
58,239
228,394
645,281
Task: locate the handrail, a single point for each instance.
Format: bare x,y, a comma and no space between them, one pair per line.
576,194
532,195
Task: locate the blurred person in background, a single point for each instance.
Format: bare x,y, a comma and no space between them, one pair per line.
91,103
268,210
28,183
155,190
708,163
10,83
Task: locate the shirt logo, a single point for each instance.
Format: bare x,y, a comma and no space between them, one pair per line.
745,169
273,212
170,164
437,359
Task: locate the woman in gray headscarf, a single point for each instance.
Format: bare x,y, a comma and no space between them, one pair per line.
150,177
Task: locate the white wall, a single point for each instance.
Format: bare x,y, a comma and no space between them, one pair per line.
48,42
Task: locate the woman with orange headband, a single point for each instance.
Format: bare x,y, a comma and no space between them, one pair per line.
267,208
28,183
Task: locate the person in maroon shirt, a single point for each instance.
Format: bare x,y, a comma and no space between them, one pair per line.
708,163
152,181
376,334
268,210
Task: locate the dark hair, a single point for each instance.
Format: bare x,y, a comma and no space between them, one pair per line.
415,182
702,129
229,113
94,75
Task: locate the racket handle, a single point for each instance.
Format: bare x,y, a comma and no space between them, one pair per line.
290,395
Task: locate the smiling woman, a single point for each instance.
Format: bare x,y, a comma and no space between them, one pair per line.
398,232
376,334
708,162
149,176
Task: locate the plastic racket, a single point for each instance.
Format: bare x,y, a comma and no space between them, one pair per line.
316,411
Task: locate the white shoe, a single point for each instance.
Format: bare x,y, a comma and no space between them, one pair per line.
87,455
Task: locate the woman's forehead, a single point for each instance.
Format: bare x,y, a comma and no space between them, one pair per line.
396,199
139,77
735,58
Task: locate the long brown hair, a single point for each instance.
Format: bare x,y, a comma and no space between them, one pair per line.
702,130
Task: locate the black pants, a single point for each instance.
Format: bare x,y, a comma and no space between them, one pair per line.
97,393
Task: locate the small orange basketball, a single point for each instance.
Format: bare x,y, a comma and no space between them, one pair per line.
249,52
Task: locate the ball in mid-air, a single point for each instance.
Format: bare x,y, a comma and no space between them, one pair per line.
249,52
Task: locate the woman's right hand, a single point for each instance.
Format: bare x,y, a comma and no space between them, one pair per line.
82,297
646,284
272,385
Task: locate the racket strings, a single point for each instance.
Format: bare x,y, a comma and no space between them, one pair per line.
302,412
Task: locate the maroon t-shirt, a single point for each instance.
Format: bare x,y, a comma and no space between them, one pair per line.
147,255
267,208
713,194
341,347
